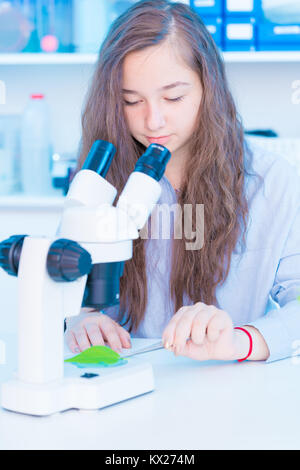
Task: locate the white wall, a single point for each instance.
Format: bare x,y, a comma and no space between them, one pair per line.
263,93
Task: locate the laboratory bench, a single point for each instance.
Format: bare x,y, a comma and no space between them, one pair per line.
195,405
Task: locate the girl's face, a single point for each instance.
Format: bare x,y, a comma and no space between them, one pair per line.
162,96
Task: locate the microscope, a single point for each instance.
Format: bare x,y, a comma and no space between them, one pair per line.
80,267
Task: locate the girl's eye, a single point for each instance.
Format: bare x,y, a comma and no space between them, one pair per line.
180,98
131,103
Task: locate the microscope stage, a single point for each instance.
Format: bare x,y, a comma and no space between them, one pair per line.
88,388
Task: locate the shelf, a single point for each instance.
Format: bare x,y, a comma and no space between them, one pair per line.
90,59
261,56
44,59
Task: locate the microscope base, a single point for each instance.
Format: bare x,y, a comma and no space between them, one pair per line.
79,389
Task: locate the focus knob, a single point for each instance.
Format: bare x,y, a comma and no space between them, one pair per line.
67,261
10,253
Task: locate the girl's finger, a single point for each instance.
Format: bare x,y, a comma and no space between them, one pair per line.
71,342
216,325
200,322
94,334
110,334
124,337
81,338
195,351
169,331
183,330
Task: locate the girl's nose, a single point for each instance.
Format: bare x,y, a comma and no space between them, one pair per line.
155,118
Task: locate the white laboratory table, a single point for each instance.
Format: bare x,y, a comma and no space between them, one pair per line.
211,405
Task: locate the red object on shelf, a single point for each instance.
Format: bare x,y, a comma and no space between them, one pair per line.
37,97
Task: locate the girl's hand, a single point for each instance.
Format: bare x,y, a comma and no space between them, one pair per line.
204,332
91,328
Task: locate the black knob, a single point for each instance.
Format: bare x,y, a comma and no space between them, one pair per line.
67,261
10,253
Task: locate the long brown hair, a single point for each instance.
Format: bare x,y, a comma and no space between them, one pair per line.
214,174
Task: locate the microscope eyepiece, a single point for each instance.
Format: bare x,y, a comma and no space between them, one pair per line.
100,157
153,162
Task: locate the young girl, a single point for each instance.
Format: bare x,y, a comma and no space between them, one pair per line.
160,78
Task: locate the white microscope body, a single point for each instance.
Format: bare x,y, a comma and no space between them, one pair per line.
100,234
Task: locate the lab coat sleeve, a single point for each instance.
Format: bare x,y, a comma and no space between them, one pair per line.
280,327
112,312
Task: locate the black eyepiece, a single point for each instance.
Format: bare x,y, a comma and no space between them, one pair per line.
154,161
100,157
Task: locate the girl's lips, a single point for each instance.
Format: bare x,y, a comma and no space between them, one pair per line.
158,140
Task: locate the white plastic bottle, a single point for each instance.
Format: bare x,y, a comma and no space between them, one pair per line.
36,148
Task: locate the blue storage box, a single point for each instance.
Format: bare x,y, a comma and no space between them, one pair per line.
214,25
239,34
242,7
207,7
279,37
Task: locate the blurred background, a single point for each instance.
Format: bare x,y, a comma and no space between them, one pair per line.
48,51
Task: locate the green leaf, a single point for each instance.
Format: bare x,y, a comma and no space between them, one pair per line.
95,355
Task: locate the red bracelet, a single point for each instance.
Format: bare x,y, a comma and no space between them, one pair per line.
251,343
